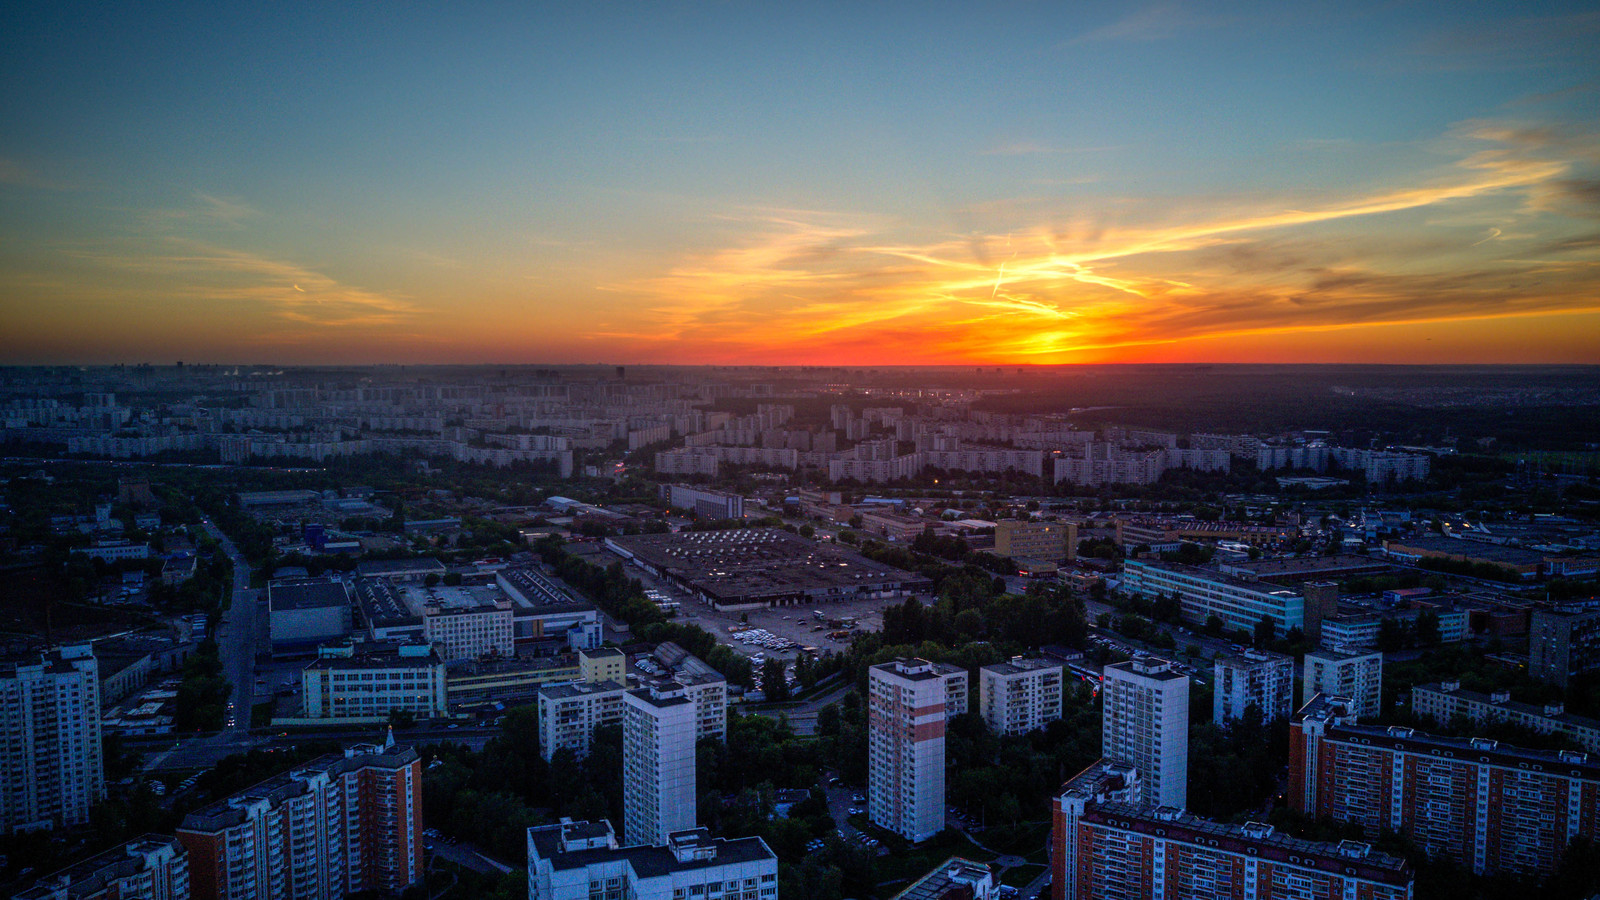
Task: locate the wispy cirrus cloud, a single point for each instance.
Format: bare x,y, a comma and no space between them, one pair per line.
1152,23
195,272
805,286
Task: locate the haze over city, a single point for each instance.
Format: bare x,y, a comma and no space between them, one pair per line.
694,183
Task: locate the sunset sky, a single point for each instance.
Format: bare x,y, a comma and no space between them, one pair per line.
805,183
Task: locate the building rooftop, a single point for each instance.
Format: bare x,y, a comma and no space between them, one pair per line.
1336,711
387,568
953,879
227,812
1302,566
1254,839
383,605
531,589
1214,576
1017,665
746,564
580,689
375,655
1555,712
307,593
89,877
1150,667
548,842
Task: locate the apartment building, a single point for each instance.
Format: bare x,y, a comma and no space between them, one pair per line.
1358,676
1254,677
1121,851
1203,593
569,714
52,768
1145,724
1443,702
1020,695
658,764
1052,541
1489,806
909,702
1563,642
1103,782
149,867
335,826
583,861
370,680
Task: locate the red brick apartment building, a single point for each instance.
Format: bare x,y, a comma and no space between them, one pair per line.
332,827
1108,845
1489,806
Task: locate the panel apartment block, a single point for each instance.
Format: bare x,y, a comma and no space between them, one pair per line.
149,867
658,764
1253,677
1491,807
335,826
1563,642
1020,695
1357,676
1448,700
1145,723
52,769
909,702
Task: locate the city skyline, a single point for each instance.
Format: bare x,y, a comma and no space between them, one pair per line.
736,184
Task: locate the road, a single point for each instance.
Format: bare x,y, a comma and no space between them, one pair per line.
236,634
803,716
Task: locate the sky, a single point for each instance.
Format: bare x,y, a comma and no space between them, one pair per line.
800,183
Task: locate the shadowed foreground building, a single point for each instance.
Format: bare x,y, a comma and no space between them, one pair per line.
1491,807
150,867
582,861
51,761
335,826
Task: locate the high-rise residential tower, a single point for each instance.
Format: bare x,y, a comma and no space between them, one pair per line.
52,768
658,758
909,701
1145,723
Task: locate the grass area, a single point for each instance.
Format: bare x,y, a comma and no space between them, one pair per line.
1017,840
1019,876
261,714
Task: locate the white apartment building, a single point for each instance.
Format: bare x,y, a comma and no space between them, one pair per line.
582,861
569,714
658,760
371,680
1358,676
470,632
909,702
1020,695
1145,724
1256,676
52,768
